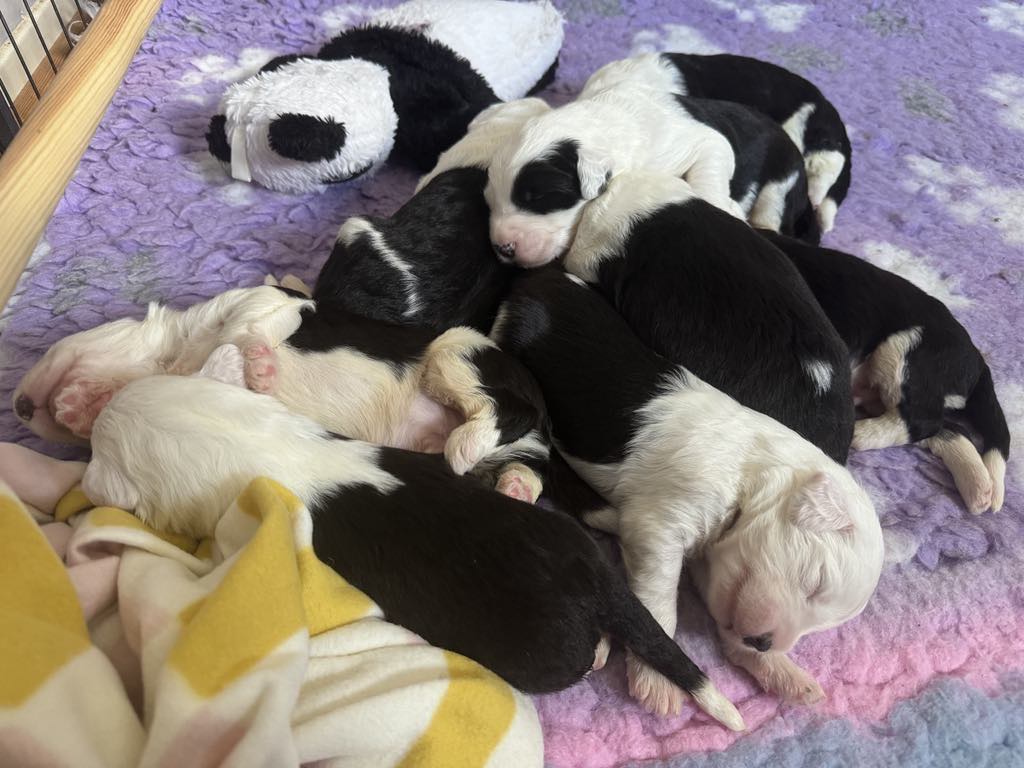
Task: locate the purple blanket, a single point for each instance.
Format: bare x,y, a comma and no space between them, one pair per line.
932,674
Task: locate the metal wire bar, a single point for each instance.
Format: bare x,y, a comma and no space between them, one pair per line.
42,40
9,102
17,51
81,13
63,26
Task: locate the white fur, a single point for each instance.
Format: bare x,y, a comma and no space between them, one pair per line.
488,131
696,458
796,124
510,44
648,69
996,466
970,472
883,431
100,360
155,459
352,92
356,227
770,205
622,128
820,372
823,168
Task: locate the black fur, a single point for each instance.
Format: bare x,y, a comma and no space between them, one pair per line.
279,61
867,305
593,372
764,153
550,183
442,233
707,292
306,138
436,92
522,590
217,138
776,92
517,398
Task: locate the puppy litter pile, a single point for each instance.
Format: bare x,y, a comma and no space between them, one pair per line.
933,672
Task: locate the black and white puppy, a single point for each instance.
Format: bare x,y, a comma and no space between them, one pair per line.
429,264
917,373
522,590
706,291
790,542
796,104
540,179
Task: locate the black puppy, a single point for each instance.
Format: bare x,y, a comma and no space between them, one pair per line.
796,104
918,374
707,292
428,264
522,590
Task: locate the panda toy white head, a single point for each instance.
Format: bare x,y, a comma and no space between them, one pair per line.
302,123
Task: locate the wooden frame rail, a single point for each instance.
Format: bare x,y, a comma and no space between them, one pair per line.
37,166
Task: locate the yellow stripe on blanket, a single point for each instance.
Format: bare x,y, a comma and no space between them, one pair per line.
472,718
41,622
256,606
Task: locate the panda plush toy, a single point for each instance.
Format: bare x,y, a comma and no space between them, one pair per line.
405,86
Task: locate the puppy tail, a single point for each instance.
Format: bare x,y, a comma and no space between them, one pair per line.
984,413
629,622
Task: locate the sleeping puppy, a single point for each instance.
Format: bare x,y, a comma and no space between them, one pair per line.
917,372
792,542
488,131
522,590
429,264
354,375
794,103
708,292
543,175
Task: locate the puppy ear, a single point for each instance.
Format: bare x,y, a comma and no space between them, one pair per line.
594,173
105,486
817,507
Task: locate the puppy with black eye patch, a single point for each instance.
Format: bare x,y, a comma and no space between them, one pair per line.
542,177
789,543
522,590
796,104
917,374
706,291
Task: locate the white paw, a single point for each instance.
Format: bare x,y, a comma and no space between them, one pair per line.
792,684
978,495
519,482
78,405
655,692
260,367
601,651
468,444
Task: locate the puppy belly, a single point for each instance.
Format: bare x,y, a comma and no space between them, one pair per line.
426,427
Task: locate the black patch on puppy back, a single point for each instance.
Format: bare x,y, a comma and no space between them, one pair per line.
517,397
217,138
550,183
306,138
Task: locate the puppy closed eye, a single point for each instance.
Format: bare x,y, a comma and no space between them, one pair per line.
818,586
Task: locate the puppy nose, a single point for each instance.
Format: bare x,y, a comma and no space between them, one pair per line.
760,643
506,251
24,408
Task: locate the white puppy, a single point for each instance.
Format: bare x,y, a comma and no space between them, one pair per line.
541,178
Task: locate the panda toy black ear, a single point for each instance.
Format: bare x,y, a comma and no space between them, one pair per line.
306,138
279,61
217,139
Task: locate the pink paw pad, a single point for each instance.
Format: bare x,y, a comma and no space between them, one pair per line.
260,367
78,406
515,486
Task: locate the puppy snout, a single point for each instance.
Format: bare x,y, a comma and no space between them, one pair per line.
760,643
24,408
505,251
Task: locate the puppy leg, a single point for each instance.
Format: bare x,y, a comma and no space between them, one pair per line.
604,647
653,558
710,175
520,482
78,405
970,474
260,366
770,205
776,673
883,431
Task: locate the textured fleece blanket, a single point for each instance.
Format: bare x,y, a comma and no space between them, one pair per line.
243,649
932,674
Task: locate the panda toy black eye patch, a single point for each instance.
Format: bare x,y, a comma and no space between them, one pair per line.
306,138
550,183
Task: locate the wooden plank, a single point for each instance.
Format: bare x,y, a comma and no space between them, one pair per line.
26,101
37,166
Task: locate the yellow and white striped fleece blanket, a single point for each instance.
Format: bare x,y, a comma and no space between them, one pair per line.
154,650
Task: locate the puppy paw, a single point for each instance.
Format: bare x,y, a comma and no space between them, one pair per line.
790,683
655,692
78,405
978,498
260,367
601,651
468,444
519,482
